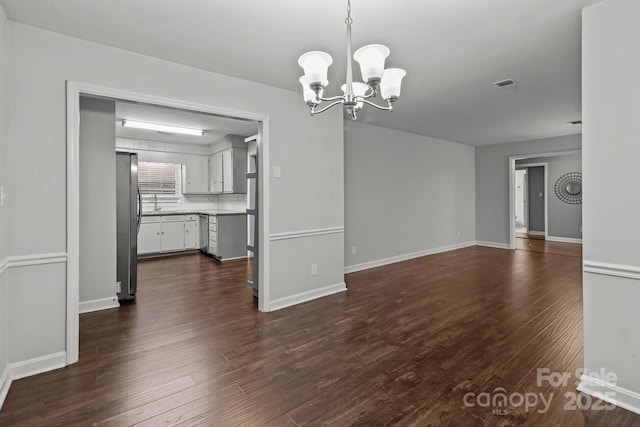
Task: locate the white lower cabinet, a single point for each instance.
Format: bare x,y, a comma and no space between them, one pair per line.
149,237
172,236
228,236
167,233
191,234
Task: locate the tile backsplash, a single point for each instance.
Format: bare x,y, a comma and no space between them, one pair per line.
235,202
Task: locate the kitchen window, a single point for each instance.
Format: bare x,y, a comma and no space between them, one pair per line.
161,179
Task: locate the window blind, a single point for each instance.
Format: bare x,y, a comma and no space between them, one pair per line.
162,179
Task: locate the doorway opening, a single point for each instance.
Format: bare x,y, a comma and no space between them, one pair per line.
534,212
531,200
174,196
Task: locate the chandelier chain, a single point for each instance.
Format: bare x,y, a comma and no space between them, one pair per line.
349,20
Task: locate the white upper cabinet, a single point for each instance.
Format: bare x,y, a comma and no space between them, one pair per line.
195,176
227,171
234,171
215,173
228,166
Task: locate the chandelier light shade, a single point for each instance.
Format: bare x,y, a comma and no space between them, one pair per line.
391,82
315,65
371,59
308,94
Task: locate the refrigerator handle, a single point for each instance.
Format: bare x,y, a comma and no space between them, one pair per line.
139,208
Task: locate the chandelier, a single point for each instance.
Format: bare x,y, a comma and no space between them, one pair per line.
355,94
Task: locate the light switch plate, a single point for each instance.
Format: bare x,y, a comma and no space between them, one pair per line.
3,196
277,172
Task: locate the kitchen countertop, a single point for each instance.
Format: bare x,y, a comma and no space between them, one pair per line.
195,212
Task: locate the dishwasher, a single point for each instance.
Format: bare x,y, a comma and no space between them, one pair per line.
204,233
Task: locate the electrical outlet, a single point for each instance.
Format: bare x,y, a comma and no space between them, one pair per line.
3,196
353,250
118,287
459,233
314,269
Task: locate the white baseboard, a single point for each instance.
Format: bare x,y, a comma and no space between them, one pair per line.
279,303
493,245
37,365
99,304
231,258
27,368
563,239
405,257
5,383
611,393
536,233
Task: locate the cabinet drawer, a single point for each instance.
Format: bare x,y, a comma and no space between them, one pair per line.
213,227
213,219
149,219
173,218
213,236
190,217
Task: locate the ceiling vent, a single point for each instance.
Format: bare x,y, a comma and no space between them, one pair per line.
505,83
576,122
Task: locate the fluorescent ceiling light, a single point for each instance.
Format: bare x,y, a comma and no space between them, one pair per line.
161,128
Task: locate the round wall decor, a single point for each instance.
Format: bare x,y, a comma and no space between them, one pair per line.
569,188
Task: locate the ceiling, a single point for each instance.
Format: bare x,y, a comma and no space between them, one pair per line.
215,127
452,51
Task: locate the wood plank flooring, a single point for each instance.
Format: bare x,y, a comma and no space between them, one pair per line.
537,244
403,346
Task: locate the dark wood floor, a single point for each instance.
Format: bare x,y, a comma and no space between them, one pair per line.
403,346
539,244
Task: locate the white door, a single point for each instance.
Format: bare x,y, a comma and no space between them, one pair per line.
215,173
172,236
196,176
227,171
190,235
149,238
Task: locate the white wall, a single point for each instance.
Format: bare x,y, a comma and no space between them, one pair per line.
4,217
492,182
97,200
610,112
405,194
309,150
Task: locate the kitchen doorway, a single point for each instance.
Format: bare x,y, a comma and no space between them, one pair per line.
74,92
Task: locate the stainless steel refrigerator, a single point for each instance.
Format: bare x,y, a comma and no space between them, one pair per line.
128,212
